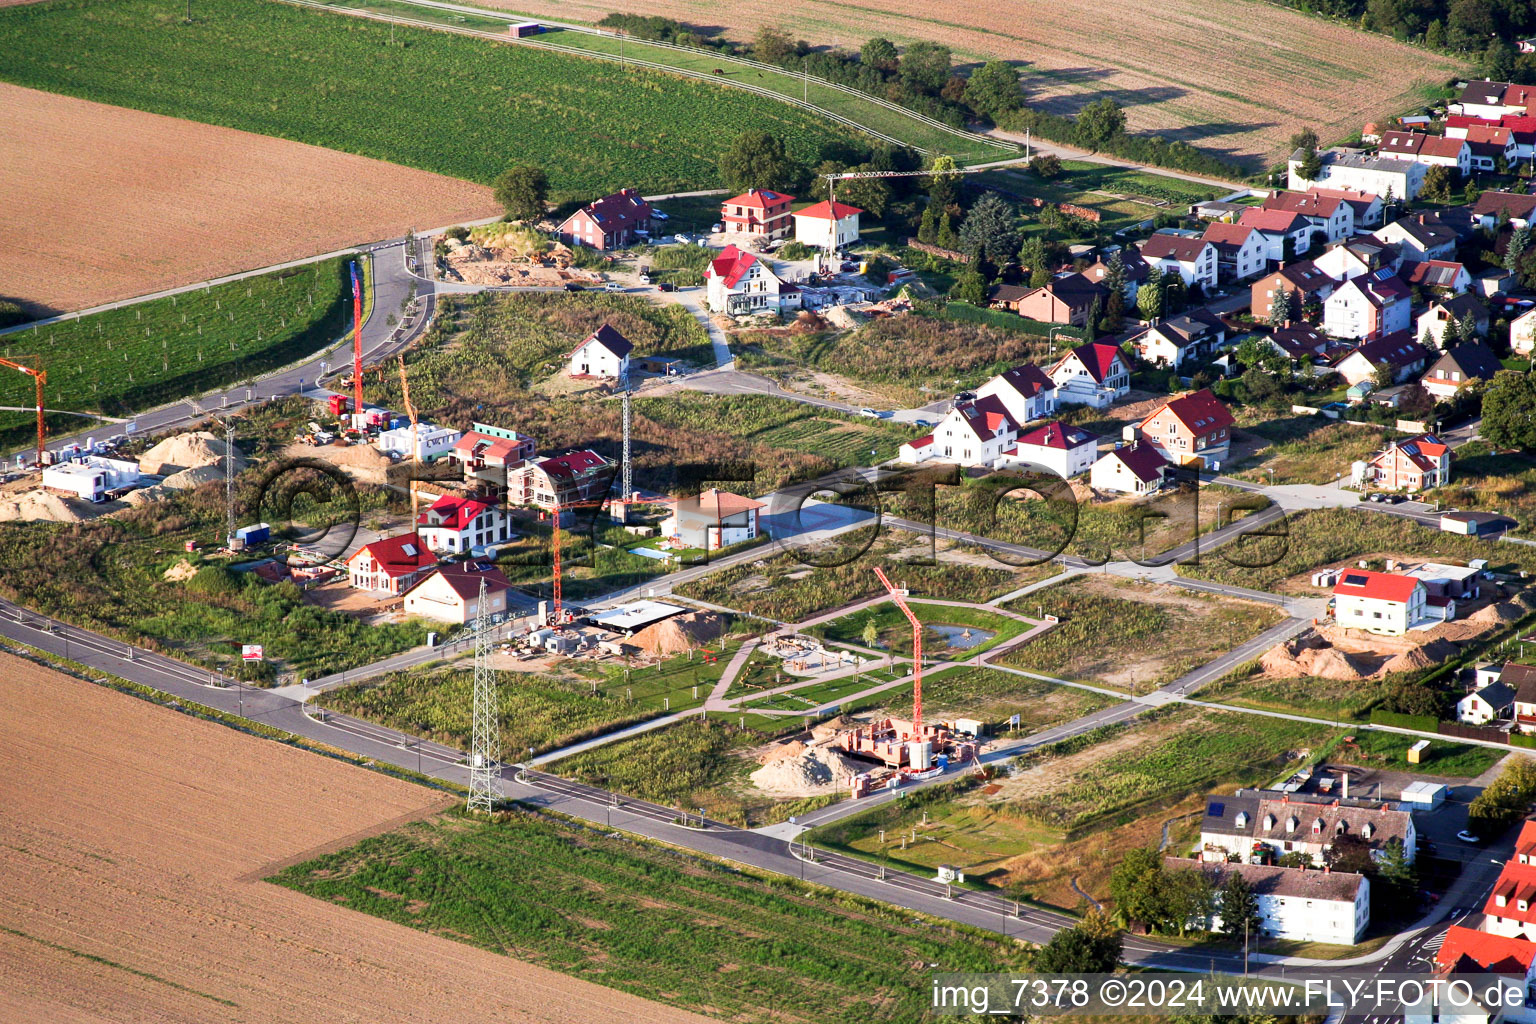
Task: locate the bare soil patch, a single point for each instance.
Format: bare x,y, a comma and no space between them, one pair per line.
135,839
162,202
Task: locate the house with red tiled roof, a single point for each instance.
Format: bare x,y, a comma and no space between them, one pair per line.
1062,449
759,212
1240,249
457,525
972,434
487,453
1135,468
612,222
1192,428
390,565
1379,602
1192,258
1486,99
1063,300
451,593
1095,374
821,224
1433,150
1413,464
712,520
1327,215
1489,145
1438,275
1304,279
1026,391
1369,306
1283,233
1515,207
740,283
1467,950
575,476
1365,206
1510,909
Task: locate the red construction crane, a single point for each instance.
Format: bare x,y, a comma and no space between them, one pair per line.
559,511
899,596
39,377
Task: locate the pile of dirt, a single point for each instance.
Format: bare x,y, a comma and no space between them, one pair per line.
1432,653
187,451
1496,614
187,479
808,773
363,462
779,751
679,634
182,571
39,504
1287,661
146,495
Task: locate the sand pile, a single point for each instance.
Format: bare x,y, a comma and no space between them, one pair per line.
39,504
187,479
1287,661
363,462
187,451
679,634
809,773
1496,614
182,571
146,495
779,751
1432,653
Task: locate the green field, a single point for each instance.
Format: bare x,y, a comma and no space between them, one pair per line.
645,920
896,632
782,424
456,105
123,360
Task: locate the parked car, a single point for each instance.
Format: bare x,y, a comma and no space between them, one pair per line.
965,396
684,239
666,286
659,215
613,286
871,413
1467,837
716,228
923,421
572,286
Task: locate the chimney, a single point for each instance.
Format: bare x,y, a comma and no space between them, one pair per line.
1346,785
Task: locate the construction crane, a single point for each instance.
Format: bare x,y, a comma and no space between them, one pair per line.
39,378
410,410
558,513
833,179
899,596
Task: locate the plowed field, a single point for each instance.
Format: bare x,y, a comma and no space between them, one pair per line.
1234,76
134,843
105,203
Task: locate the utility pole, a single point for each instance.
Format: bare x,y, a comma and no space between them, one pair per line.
627,476
485,750
229,482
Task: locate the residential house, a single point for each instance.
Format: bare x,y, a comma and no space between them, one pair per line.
1370,306
487,453
820,226
1360,172
1188,337
1357,257
1486,99
1514,207
1063,300
578,476
1366,206
432,442
1064,450
1283,233
1522,333
1193,259
1255,825
604,353
1443,277
1413,464
1378,602
1007,296
617,220
1304,279
1523,679
1240,250
1467,950
712,520
1431,150
1489,704
972,434
1492,281
1460,366
456,525
759,212
390,565
1508,910
1440,324
1134,269
1421,236
1298,343
1026,391
1406,357
1326,215
451,593
1522,129
1218,209
739,282
1135,468
1490,147
1095,374
1293,903
1193,428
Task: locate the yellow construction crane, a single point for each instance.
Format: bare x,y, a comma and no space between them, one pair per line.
833,179
410,410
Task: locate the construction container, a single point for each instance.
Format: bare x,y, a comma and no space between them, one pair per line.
339,405
1416,752
524,29
260,533
921,755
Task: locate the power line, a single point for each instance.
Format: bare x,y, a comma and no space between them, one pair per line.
485,748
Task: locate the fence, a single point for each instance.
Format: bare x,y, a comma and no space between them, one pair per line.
934,250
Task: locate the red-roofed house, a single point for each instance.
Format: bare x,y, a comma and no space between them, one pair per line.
1405,356
1441,275
973,434
1240,249
390,565
1434,150
1414,464
819,224
1095,374
759,212
456,525
1378,602
1134,468
1193,259
1488,145
1065,451
487,453
1491,952
611,222
738,282
1063,300
451,593
574,476
1284,233
1365,205
1328,215
1025,391
1195,427
712,520
1509,911
1369,306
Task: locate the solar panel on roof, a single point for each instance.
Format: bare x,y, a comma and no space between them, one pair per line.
1354,579
1216,809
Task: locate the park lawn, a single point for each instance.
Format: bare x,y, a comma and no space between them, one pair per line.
739,946
120,361
234,65
1132,636
1308,450
895,631
1283,558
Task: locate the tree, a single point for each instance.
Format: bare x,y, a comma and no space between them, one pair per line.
880,53
993,89
871,634
759,160
1383,376
925,66
1509,411
928,227
1519,239
1188,900
1175,295
1412,697
1466,329
947,239
1508,797
1283,308
970,287
1095,314
1092,947
872,195
1261,385
943,186
521,190
1239,906
1149,300
1434,35
1136,885
772,46
1045,166
1349,852
1100,121
1499,60
990,229
1114,312
1034,258
1310,166
1397,875
1437,184
1304,139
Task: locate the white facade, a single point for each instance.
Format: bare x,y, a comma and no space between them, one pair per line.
432,442
1022,407
1344,169
1522,332
965,438
1113,474
747,289
456,535
435,598
1474,708
1378,615
694,531
816,230
1307,918
1202,270
1064,462
92,477
1350,313
594,359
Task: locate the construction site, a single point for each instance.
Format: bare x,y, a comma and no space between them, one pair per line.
508,255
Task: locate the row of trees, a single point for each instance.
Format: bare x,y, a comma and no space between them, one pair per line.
1456,26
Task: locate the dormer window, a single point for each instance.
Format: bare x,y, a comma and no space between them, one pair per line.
1242,819
1317,826
1269,822
1340,828
1292,824
1367,830
1501,900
